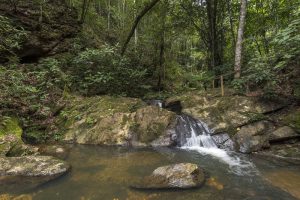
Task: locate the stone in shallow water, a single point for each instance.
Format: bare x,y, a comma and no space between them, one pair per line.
32,166
54,150
283,133
177,176
253,137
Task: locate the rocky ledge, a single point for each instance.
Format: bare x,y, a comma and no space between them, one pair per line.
106,120
177,176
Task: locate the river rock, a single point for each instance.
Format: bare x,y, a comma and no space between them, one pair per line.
253,137
108,120
282,154
224,114
178,176
283,133
32,166
12,145
224,141
54,150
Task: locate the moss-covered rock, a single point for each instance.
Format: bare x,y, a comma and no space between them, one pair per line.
109,120
10,125
292,119
225,114
11,143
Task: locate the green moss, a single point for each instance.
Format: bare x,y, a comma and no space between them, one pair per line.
152,133
10,125
254,117
293,120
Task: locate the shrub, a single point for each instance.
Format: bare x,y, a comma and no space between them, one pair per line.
11,38
104,71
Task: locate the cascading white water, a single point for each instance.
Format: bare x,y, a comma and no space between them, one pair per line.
203,139
196,136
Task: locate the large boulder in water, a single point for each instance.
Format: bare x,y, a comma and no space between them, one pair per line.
253,137
32,166
106,120
178,176
283,133
224,114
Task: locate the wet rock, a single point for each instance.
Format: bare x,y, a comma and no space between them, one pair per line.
12,145
283,154
155,102
224,114
224,141
117,121
179,176
283,133
253,137
32,166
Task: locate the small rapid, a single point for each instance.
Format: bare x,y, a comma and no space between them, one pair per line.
194,135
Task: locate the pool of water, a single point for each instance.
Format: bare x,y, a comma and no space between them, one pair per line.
107,173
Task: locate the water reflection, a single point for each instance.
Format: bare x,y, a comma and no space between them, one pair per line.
107,173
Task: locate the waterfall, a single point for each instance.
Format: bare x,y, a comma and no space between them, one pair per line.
194,135
193,132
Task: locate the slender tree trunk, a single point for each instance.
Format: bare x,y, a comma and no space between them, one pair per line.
85,7
136,22
136,29
161,76
239,42
229,10
108,15
213,37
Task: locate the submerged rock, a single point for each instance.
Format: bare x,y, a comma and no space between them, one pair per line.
286,180
177,176
54,150
253,137
32,166
283,154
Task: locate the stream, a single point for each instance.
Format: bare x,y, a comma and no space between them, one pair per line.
107,173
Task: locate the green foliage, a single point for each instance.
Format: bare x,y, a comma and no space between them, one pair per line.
104,71
11,37
287,43
293,120
197,80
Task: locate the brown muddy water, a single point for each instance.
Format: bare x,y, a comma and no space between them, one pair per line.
107,173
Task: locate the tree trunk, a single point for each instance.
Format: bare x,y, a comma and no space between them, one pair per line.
239,42
136,22
212,6
85,6
229,10
108,15
135,30
161,75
